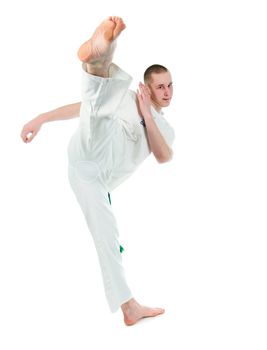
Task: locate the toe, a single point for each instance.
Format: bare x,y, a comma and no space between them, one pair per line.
156,311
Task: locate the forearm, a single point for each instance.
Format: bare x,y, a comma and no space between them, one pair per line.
157,143
31,129
62,113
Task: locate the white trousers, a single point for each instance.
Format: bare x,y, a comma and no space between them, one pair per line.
88,167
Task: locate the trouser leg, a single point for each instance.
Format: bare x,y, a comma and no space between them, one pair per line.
93,199
101,97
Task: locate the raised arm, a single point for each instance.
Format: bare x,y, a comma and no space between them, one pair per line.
157,143
30,130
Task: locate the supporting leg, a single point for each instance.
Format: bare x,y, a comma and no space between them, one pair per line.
92,197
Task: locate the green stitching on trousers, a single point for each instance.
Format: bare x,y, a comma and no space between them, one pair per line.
109,198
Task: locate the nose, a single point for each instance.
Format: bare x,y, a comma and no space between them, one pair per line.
166,92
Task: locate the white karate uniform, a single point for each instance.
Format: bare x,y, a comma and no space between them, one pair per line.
108,146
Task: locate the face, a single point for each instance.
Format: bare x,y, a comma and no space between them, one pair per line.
161,90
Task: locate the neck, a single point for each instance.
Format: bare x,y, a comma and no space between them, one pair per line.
156,107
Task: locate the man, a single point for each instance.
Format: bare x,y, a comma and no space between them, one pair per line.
118,129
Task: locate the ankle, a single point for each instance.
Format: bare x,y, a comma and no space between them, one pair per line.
128,305
98,68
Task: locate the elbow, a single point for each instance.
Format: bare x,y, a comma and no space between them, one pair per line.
165,158
162,160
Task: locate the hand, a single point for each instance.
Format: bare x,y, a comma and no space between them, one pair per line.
144,100
30,130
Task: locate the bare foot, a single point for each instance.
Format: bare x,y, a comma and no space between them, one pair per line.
100,45
133,312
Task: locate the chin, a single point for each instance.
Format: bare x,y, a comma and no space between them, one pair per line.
166,103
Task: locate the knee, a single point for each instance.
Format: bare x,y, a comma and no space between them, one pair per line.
87,171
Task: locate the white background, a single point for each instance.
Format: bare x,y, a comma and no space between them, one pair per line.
194,230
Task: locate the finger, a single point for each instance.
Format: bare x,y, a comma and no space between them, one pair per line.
140,95
23,136
142,92
139,98
141,86
24,139
24,132
30,136
144,89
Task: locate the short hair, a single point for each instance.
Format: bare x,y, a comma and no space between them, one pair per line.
155,68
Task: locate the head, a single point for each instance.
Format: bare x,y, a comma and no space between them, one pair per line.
159,82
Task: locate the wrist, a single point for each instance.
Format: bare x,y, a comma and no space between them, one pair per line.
42,118
147,116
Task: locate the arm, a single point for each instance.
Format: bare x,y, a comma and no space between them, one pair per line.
157,143
62,113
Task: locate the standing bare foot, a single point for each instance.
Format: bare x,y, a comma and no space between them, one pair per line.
133,312
97,52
